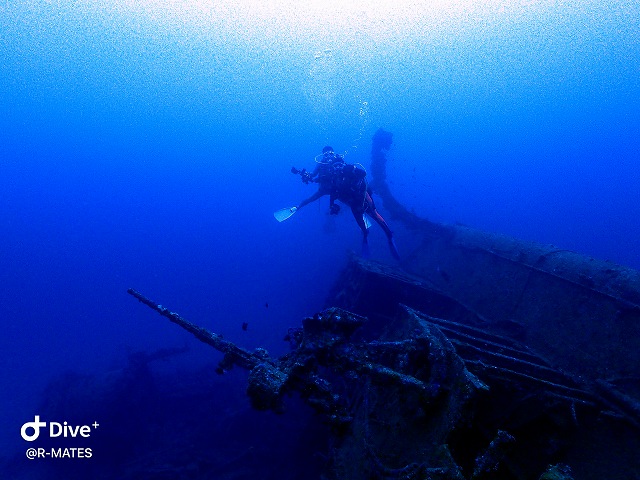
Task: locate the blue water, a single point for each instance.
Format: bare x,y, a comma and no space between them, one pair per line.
147,145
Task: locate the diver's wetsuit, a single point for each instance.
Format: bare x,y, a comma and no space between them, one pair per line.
347,184
324,176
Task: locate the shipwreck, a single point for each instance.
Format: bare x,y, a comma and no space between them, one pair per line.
479,357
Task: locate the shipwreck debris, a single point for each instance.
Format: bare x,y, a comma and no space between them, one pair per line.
401,401
354,384
421,364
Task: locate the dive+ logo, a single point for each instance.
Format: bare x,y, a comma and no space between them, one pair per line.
30,431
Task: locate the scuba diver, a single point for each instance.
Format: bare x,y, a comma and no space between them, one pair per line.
347,184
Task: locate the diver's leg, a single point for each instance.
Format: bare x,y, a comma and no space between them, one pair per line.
357,214
320,193
373,213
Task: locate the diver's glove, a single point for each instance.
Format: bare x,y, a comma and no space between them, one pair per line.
334,209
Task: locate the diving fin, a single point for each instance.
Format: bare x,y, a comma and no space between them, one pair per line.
283,214
367,223
365,249
394,249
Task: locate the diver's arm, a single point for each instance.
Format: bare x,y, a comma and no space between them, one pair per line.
316,171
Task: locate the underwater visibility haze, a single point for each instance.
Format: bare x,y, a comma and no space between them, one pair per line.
147,144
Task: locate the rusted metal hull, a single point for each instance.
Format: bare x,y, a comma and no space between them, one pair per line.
581,313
